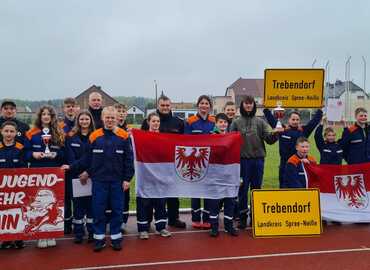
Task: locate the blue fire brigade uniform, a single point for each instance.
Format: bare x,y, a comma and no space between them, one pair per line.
109,162
76,146
288,138
330,153
356,144
67,126
34,143
144,211
197,125
295,176
12,156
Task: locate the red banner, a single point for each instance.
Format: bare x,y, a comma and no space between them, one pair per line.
31,203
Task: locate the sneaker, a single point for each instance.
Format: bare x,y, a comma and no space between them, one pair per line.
196,225
42,243
7,245
206,225
78,240
164,233
214,233
99,245
116,245
144,235
51,242
177,224
19,244
90,238
232,231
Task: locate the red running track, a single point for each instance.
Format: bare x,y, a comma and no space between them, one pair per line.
340,247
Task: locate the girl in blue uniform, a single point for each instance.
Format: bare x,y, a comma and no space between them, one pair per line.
201,123
145,206
45,123
11,156
77,143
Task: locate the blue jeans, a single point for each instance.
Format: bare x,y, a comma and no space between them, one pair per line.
252,175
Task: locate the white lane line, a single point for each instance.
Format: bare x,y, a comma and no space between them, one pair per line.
272,255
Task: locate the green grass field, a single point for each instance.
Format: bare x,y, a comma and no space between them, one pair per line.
271,175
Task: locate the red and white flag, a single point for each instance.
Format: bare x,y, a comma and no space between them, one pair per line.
344,191
197,166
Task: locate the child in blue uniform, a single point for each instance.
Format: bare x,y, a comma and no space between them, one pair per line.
45,123
145,206
109,164
288,138
11,156
229,203
295,176
121,123
201,123
77,143
331,151
69,109
356,140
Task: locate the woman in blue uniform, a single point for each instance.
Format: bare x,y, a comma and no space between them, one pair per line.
42,152
77,143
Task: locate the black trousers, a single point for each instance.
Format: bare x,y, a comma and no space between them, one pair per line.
173,205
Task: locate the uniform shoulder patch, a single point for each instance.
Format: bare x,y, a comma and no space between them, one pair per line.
311,159
192,119
19,146
294,160
121,133
1,145
212,118
96,134
61,124
32,132
352,128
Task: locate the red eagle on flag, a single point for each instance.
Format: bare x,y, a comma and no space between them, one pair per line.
191,163
350,190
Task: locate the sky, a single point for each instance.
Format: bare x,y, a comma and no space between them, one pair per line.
54,49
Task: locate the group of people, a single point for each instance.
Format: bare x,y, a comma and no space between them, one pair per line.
94,145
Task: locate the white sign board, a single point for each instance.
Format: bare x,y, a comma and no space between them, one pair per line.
335,110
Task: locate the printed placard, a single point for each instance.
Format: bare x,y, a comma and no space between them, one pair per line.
286,212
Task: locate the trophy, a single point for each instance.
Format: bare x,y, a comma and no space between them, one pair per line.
46,138
279,114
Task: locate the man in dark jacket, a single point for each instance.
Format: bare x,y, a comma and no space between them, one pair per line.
169,124
95,108
8,113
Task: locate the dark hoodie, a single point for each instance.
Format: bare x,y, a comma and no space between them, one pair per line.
255,133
